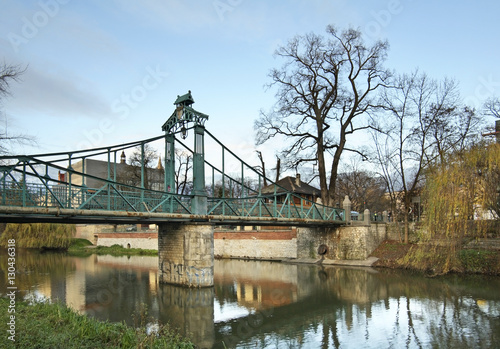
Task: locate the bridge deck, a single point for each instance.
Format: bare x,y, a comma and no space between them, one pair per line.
10,214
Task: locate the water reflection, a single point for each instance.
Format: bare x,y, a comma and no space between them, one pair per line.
265,304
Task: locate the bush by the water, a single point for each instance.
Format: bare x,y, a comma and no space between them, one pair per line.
38,235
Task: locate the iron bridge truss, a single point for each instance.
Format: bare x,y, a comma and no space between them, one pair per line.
31,189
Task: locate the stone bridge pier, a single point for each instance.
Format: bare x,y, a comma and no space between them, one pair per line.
186,254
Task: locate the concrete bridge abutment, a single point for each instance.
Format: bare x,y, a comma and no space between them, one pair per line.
186,254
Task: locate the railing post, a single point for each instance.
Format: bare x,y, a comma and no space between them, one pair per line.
24,184
109,178
70,181
346,204
275,204
223,189
242,189
169,181
84,186
4,191
143,171
366,217
200,205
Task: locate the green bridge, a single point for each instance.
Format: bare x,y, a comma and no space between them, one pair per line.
99,186
92,185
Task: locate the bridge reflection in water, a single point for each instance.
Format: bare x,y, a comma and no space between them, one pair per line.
269,304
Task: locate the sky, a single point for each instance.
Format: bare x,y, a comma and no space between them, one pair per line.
107,72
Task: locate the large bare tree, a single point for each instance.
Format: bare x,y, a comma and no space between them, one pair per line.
325,88
422,123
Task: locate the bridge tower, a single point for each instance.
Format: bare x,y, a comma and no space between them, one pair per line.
179,122
186,250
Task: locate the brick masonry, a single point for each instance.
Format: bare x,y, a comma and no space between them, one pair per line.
238,244
256,244
355,242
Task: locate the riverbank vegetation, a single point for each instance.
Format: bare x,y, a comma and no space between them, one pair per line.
44,325
39,235
60,237
459,230
83,248
436,260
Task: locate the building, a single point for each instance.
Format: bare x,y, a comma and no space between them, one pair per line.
125,173
294,185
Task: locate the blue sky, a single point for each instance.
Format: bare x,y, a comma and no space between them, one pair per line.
107,72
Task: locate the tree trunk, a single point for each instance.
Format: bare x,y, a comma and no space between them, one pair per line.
259,154
334,170
278,169
407,223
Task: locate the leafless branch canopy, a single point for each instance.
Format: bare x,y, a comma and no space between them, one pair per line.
324,88
422,122
9,74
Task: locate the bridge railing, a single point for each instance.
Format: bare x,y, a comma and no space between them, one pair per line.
111,198
288,206
107,197
94,179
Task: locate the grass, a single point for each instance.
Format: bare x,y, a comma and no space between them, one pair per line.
479,261
80,248
44,325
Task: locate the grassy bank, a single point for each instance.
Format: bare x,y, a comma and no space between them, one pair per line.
83,248
437,260
45,325
60,237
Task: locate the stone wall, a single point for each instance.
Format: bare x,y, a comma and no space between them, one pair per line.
129,240
235,244
256,244
355,242
87,231
186,254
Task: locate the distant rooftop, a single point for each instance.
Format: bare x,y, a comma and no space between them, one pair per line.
293,184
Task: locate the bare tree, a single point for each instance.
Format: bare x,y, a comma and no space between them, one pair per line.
365,190
324,90
9,74
133,175
492,107
184,166
262,167
423,122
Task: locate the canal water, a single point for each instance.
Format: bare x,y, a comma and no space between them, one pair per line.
274,305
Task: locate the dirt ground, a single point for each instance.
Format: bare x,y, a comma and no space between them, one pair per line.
389,252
